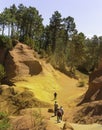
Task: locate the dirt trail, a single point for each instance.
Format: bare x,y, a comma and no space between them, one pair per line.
53,121
86,127
67,94
77,126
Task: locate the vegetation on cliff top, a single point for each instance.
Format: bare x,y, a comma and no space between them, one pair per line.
60,42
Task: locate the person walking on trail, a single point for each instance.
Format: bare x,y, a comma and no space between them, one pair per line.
55,108
62,111
55,96
59,113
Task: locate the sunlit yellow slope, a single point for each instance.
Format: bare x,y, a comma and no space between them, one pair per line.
49,81
43,85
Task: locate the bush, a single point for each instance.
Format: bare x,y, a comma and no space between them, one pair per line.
4,121
5,42
39,122
2,72
28,41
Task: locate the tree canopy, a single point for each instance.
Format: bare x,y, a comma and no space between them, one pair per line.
60,40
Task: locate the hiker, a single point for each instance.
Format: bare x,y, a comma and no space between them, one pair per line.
62,111
55,108
59,113
55,96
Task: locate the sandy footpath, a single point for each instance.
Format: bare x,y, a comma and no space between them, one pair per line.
86,127
78,126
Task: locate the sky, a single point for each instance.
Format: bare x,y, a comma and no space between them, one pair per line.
87,14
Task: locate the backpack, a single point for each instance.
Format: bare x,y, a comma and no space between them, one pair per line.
62,110
59,112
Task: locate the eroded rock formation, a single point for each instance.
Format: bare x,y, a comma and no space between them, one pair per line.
20,61
91,104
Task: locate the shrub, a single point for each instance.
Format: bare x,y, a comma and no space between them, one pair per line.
5,42
4,121
39,122
2,72
29,41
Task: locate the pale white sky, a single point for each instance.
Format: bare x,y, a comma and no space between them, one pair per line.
86,13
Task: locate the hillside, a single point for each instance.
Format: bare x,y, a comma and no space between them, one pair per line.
27,70
35,83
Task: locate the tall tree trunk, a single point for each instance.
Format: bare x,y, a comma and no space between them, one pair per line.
8,30
12,29
3,27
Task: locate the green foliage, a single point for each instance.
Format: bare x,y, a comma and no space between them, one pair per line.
21,22
69,26
59,40
93,53
5,42
76,51
60,54
4,121
2,72
55,25
43,54
29,41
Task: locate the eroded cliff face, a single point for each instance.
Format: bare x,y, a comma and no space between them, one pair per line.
90,107
20,61
94,92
